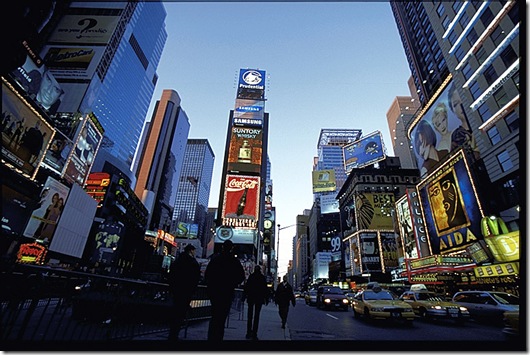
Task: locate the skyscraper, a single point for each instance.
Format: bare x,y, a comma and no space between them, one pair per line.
161,160
398,118
193,191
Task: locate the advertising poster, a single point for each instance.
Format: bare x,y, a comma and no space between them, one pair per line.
40,84
441,130
244,152
107,238
72,62
47,214
84,29
324,180
418,223
410,248
251,84
241,201
83,154
25,134
389,250
268,195
372,210
236,235
57,155
365,151
451,207
187,230
249,113
329,203
370,258
97,185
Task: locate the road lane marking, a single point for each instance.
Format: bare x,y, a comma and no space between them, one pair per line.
329,315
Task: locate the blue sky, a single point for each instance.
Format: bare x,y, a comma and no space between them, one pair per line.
330,65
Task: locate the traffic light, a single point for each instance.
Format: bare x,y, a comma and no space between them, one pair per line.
268,230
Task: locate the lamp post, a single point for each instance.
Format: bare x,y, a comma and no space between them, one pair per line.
278,246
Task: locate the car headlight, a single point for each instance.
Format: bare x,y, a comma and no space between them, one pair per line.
437,307
345,301
327,300
463,309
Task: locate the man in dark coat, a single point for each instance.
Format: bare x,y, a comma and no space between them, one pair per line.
223,274
284,294
184,276
256,293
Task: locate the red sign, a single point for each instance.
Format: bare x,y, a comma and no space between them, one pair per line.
241,201
32,253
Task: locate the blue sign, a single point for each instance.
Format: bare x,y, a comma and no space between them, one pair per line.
363,152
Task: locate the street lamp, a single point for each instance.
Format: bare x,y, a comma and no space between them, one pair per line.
278,244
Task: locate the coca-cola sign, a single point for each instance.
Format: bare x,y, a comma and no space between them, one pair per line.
241,201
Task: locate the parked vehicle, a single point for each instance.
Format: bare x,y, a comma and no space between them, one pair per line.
511,323
311,297
487,305
428,304
331,297
377,303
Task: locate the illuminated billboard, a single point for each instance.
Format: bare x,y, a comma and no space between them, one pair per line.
241,201
84,29
418,223
84,152
245,150
25,134
365,151
404,218
372,210
369,249
57,155
451,207
442,129
324,180
187,230
251,84
97,186
389,251
73,62
249,113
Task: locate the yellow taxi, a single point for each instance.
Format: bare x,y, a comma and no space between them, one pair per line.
428,304
378,303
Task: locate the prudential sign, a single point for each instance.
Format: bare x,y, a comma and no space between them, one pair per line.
251,79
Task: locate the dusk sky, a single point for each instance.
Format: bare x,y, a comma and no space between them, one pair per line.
329,65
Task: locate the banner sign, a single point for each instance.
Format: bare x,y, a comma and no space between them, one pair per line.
363,152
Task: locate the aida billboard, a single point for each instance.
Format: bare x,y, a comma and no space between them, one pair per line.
25,133
451,207
249,113
241,201
245,150
442,129
251,84
365,151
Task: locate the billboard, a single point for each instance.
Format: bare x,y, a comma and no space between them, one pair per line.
245,150
236,235
369,249
404,218
25,134
241,201
451,208
418,223
442,129
47,214
371,210
40,84
97,185
187,230
57,155
389,251
72,62
251,84
268,195
324,180
84,29
249,113
329,203
107,237
84,152
365,151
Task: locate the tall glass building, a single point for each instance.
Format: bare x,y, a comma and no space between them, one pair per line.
122,89
193,191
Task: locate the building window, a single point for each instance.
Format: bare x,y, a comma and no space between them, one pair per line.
475,90
438,54
456,6
494,136
484,112
446,22
452,38
486,17
441,64
464,20
501,97
512,121
440,10
505,161
472,37
514,14
515,79
497,35
508,56
466,71
490,75
459,54
481,55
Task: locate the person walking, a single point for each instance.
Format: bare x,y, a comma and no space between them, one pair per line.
223,274
184,276
256,293
283,296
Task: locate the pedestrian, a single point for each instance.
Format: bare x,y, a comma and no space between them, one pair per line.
184,276
223,274
283,296
257,293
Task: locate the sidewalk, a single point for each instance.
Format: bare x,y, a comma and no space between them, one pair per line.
269,330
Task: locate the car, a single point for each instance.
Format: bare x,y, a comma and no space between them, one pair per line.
331,297
428,304
487,305
378,303
511,323
311,297
349,296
